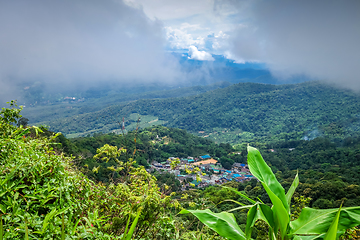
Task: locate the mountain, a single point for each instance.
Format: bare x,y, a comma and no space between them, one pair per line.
238,113
231,71
94,100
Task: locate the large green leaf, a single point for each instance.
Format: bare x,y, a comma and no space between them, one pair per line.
223,223
292,189
331,233
316,237
276,192
258,211
281,215
318,221
312,237
264,174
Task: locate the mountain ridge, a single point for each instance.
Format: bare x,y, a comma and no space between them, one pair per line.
263,110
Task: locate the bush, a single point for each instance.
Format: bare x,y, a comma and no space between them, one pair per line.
42,195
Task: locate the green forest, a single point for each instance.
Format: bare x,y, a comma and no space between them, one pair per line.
239,113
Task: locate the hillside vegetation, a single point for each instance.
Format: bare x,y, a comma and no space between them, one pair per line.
239,113
329,172
62,106
44,196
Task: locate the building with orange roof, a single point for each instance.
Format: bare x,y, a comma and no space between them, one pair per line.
205,162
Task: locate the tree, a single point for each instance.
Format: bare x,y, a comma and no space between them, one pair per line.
23,122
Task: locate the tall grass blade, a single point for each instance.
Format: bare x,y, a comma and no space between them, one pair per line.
127,226
26,231
63,228
1,228
133,225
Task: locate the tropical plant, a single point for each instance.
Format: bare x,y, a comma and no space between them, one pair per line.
44,196
312,223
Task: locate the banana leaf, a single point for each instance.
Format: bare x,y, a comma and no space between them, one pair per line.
264,174
276,192
223,223
312,237
318,221
259,211
243,195
331,233
292,189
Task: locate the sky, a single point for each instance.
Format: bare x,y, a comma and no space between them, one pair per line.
84,42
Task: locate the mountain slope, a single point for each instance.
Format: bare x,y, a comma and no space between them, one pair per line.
244,111
49,111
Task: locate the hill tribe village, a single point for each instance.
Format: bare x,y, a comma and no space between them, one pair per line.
215,173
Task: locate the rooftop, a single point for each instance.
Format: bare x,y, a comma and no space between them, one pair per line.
209,161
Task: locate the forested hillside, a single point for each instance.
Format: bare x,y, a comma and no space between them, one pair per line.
329,172
95,99
239,113
152,144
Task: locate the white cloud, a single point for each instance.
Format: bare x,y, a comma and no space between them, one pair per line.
191,22
229,55
79,42
195,54
220,41
189,26
181,39
173,9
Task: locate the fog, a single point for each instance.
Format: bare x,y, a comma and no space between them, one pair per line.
316,38
79,43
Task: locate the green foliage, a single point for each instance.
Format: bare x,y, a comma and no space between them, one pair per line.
9,118
314,223
152,144
43,196
223,223
48,107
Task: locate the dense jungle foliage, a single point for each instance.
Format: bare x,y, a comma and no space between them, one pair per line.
45,194
239,113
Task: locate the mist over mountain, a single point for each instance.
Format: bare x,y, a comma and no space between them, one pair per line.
31,93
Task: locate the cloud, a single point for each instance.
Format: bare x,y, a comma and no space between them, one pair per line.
316,38
195,54
181,39
201,23
168,10
80,42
